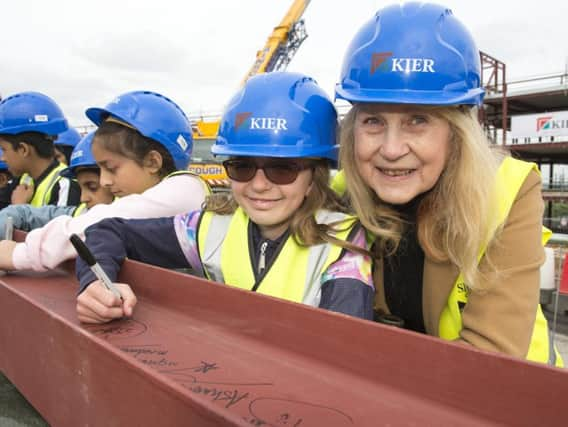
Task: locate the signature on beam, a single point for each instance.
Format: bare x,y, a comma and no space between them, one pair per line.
272,412
127,328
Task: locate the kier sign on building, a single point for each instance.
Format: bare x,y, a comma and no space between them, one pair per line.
537,125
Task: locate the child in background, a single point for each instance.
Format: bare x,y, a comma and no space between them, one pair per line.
65,143
6,184
142,146
282,232
29,123
5,175
84,169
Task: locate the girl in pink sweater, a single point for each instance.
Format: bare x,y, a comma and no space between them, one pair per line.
143,146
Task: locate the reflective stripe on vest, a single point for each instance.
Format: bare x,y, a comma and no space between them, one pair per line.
204,183
510,177
295,275
42,193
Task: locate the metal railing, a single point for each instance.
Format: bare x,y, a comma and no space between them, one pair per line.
553,79
555,186
557,224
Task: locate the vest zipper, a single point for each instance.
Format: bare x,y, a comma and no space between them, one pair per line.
262,259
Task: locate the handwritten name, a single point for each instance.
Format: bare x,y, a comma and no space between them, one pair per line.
155,357
232,397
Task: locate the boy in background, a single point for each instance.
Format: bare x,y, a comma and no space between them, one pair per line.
29,124
6,184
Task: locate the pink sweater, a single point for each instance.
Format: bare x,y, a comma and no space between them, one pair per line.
45,248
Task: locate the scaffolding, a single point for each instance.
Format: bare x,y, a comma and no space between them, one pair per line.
494,80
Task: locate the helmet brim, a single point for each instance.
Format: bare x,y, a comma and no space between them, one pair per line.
418,97
329,153
96,115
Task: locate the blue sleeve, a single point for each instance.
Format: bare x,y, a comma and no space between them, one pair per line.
28,217
152,241
348,296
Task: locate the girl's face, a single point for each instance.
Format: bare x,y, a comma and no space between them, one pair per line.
270,205
92,192
121,175
400,150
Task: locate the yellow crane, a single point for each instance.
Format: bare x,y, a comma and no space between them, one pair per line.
278,51
283,43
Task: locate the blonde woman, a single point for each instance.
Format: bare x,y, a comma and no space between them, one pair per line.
458,227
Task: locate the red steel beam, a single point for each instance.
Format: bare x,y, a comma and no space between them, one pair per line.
199,353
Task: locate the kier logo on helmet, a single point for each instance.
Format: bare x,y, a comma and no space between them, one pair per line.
241,118
403,65
378,61
267,123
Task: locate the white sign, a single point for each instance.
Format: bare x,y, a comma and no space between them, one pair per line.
535,125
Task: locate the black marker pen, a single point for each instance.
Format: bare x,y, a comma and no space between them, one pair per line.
88,257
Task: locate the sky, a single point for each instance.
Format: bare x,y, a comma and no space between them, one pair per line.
83,54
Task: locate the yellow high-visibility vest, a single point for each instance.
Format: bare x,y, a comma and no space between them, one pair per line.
295,275
42,193
510,177
79,210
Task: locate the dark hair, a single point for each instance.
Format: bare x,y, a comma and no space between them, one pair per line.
67,150
130,143
42,143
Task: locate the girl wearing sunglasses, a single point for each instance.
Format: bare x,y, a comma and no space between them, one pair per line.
280,232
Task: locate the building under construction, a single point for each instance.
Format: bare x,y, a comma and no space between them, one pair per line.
530,118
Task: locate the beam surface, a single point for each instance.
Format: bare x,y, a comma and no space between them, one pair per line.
199,353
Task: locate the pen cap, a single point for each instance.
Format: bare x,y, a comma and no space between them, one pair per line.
82,250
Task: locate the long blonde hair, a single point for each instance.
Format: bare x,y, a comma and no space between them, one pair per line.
303,226
453,218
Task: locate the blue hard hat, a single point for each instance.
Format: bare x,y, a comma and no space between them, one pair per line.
70,137
31,112
412,53
3,165
82,156
154,116
279,114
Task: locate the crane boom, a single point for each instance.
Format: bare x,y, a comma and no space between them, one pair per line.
276,54
282,43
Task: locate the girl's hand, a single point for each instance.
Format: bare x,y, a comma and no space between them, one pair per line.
6,249
97,304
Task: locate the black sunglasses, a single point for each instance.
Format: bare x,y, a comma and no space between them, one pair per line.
277,171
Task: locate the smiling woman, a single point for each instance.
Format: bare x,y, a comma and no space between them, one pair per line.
458,227
401,149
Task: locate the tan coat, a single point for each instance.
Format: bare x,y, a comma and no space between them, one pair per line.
502,318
